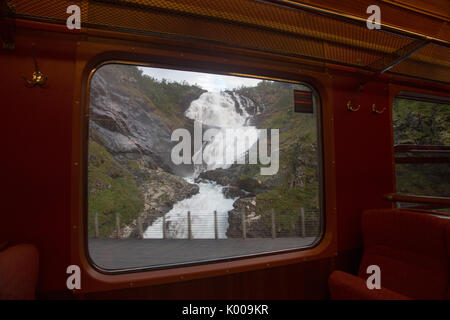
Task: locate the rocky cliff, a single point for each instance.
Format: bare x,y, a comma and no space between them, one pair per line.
130,171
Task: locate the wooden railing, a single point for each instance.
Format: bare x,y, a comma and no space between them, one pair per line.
426,202
421,148
396,197
422,154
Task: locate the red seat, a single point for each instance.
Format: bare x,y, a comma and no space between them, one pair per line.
412,251
18,272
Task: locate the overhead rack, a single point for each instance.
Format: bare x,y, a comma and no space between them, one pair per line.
288,28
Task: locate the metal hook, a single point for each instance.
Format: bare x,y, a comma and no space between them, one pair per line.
350,107
375,110
374,107
37,79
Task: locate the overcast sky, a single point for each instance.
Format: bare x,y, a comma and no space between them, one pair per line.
207,81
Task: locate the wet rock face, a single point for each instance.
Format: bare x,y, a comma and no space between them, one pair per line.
255,224
232,192
137,134
221,176
123,121
161,191
232,177
244,103
128,124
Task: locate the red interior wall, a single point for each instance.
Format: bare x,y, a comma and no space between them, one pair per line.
363,155
35,162
36,173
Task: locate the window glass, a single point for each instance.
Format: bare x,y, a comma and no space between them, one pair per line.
187,167
422,147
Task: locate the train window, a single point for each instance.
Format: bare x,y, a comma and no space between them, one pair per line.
422,145
189,167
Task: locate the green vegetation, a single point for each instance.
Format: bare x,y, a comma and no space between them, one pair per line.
417,122
111,190
170,98
296,185
430,179
287,203
423,123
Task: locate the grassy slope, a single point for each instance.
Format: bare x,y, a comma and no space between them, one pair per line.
112,190
298,137
168,99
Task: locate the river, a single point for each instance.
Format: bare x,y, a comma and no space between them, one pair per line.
201,206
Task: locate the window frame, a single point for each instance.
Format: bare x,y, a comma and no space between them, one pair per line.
429,96
102,46
320,155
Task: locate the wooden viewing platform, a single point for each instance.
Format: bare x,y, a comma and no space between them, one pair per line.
115,254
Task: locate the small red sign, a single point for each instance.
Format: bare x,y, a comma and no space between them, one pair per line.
303,101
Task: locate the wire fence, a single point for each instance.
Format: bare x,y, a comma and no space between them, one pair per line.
222,225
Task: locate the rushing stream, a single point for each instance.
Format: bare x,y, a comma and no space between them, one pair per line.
222,110
201,206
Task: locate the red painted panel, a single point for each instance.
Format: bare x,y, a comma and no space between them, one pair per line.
35,161
363,155
36,175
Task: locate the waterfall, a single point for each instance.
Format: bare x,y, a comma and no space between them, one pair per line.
219,109
225,112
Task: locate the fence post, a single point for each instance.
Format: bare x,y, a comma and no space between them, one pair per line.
139,224
189,226
118,225
244,227
302,219
164,226
274,234
216,229
97,233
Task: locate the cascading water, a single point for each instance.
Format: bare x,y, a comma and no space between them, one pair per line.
225,111
218,109
202,206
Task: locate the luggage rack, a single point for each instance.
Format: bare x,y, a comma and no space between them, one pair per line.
284,28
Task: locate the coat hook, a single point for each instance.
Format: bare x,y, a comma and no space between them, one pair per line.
38,79
351,108
375,110
374,106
